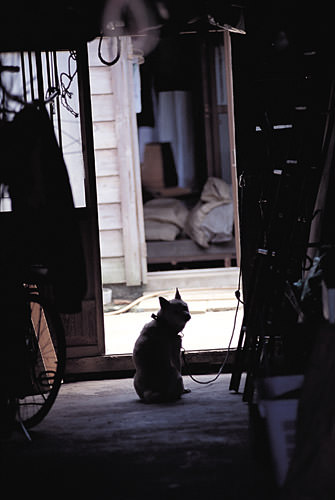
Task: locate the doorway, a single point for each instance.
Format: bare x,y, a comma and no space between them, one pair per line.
185,143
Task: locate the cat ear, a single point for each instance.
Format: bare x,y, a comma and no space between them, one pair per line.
163,302
177,296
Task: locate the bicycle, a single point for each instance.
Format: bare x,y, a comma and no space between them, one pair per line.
44,354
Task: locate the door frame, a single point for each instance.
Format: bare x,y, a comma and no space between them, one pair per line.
85,330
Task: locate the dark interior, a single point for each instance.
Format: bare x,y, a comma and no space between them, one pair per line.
284,114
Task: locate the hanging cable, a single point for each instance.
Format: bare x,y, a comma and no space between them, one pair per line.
206,382
66,80
118,52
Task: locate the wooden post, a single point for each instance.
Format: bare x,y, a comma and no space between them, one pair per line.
128,155
232,146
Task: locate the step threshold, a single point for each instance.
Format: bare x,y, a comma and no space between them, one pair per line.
121,365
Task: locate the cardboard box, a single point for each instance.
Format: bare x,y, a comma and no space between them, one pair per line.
170,192
158,170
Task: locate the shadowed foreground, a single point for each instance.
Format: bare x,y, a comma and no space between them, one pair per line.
99,439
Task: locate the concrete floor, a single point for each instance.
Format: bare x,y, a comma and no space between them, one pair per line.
99,441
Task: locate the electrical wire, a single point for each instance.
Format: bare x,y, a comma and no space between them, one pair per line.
206,382
66,80
162,292
118,52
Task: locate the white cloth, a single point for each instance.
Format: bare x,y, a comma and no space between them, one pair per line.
164,218
211,220
175,125
137,88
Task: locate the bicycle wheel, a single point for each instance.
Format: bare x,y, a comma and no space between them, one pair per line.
45,352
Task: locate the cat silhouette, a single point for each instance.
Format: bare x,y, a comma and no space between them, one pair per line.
157,353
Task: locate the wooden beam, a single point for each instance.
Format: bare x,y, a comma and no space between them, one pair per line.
187,251
232,144
198,361
129,166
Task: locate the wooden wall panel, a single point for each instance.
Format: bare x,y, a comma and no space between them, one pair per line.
108,189
99,83
109,215
106,162
104,135
102,107
113,270
111,243
117,164
128,152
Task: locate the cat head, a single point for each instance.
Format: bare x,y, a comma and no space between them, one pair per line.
174,313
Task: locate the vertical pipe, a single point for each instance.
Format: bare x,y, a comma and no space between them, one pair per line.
50,86
86,123
31,76
47,61
232,145
56,84
214,118
24,81
207,110
39,73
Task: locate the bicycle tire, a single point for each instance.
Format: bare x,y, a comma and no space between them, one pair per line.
46,356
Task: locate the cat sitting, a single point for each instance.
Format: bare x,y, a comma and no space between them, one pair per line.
156,353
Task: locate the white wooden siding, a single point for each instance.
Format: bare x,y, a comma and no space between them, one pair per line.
106,162
128,152
98,81
113,270
104,135
102,108
111,238
109,216
122,243
108,189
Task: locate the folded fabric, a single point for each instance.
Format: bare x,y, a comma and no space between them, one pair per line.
166,210
164,218
205,223
164,231
216,191
218,224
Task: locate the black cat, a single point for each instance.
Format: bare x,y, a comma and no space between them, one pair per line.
156,353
